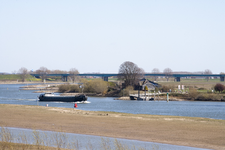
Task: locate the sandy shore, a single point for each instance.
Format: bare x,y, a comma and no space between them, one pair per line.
187,131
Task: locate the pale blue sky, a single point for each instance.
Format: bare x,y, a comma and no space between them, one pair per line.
99,35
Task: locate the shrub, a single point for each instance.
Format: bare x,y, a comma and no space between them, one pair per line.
193,93
112,84
202,88
208,97
166,88
95,86
99,85
177,94
74,88
68,88
219,87
126,91
64,88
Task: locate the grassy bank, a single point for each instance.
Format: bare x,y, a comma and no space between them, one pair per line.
17,78
194,90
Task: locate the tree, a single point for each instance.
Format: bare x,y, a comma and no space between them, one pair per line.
155,71
99,85
207,71
43,71
58,72
219,87
23,73
167,72
73,74
130,73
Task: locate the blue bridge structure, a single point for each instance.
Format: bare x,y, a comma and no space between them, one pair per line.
105,76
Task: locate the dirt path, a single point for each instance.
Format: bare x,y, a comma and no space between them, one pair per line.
187,131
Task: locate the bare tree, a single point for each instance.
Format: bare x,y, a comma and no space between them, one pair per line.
73,74
168,73
23,73
43,71
58,72
130,73
207,71
155,71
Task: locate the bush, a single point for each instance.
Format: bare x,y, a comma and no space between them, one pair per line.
202,88
68,88
64,88
166,88
176,94
219,87
208,97
74,88
99,85
112,84
126,91
193,93
95,86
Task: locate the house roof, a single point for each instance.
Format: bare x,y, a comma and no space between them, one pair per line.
146,81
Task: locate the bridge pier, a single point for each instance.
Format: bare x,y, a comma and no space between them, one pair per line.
177,79
222,79
105,78
64,78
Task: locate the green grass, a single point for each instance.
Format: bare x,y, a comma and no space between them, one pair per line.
15,77
10,77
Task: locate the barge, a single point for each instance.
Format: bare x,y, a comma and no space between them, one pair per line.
51,97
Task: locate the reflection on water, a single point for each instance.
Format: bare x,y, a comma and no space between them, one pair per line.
84,142
11,94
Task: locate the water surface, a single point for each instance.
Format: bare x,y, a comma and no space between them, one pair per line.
11,94
85,142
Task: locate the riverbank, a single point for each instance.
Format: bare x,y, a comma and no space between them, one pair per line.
173,96
187,131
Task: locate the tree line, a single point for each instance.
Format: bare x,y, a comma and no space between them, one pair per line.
128,72
43,71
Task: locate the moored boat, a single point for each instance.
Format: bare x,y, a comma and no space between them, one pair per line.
51,97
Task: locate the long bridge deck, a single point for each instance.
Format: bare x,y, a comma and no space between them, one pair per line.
106,75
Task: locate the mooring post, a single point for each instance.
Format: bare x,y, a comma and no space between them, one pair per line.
167,97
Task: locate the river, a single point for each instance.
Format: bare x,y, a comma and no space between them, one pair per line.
11,94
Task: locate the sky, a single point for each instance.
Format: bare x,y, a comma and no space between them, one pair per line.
99,35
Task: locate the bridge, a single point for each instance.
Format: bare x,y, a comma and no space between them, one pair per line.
105,76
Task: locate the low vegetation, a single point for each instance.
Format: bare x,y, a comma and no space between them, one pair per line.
219,87
97,86
18,77
200,92
126,91
192,91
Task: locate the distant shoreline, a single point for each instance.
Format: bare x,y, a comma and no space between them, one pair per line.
41,87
